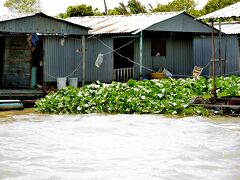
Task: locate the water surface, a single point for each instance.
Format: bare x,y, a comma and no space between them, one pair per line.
117,147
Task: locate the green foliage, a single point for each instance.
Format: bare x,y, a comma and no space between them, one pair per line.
132,7
122,9
213,5
177,5
79,10
168,96
22,6
114,12
136,7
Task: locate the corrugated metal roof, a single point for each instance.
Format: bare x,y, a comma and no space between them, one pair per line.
13,16
229,27
121,24
10,16
229,11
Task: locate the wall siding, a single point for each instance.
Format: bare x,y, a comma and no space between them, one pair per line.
105,72
61,61
179,58
230,52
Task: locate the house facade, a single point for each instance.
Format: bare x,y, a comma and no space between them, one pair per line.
35,49
136,45
227,57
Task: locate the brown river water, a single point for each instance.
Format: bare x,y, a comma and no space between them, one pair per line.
117,147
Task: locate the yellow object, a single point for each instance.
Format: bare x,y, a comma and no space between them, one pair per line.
157,75
197,71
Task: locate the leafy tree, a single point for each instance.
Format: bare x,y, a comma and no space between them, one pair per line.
22,6
79,10
122,9
114,12
133,7
213,5
136,7
177,5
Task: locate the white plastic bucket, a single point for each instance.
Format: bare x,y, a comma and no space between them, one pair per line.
61,82
73,82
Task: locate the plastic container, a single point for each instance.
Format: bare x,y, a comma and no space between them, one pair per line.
61,82
157,75
73,82
34,77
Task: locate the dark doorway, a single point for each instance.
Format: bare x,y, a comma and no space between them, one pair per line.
21,64
2,41
37,64
17,62
127,50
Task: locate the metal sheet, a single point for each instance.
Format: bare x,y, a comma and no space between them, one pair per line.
39,23
102,45
229,11
178,60
121,24
230,53
229,27
62,60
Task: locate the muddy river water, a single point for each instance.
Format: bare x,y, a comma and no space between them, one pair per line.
118,147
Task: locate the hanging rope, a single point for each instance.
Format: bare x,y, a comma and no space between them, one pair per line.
112,50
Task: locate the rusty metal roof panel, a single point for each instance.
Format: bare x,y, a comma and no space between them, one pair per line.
121,24
229,11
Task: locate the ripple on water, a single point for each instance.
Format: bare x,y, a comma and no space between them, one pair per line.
35,146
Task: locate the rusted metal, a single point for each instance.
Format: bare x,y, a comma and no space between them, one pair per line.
121,24
213,63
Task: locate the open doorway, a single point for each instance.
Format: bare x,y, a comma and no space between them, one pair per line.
123,59
37,64
2,41
16,63
126,49
20,64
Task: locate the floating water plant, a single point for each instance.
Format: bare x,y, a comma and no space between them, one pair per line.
167,96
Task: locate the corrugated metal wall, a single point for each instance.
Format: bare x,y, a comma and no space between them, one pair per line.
178,60
61,61
230,52
95,46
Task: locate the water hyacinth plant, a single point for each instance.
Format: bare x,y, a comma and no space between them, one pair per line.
167,96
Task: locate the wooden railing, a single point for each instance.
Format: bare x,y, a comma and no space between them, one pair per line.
123,74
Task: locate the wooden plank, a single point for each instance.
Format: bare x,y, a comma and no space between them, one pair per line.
217,105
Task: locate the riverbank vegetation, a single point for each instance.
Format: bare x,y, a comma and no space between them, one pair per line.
167,96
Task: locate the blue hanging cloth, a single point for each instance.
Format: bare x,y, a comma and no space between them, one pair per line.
35,40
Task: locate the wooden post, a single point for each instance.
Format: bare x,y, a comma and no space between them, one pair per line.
140,54
220,46
83,60
213,64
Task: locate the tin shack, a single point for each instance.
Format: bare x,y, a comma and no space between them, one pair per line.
134,46
35,50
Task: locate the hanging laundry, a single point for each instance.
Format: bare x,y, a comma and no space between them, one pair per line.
35,40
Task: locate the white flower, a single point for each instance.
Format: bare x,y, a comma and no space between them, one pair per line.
143,97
